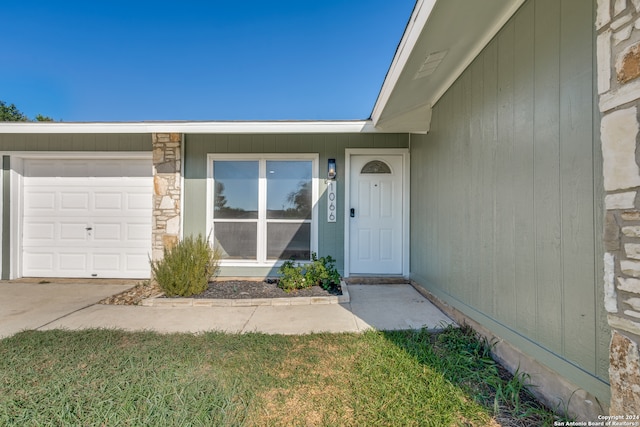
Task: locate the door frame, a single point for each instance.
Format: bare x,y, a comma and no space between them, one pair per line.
404,152
16,198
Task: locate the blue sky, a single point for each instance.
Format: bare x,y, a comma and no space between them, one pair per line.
198,60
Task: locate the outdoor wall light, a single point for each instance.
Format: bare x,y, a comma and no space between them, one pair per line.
331,169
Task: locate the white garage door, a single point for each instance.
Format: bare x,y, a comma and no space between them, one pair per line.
87,218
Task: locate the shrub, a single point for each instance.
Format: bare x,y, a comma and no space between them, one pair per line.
292,277
321,271
185,269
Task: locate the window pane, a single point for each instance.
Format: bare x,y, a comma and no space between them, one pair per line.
289,189
235,193
237,240
286,241
376,166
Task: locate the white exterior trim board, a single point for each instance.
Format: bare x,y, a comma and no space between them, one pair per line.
273,127
16,191
406,202
418,20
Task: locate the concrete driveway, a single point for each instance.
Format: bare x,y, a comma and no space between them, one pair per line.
44,306
28,304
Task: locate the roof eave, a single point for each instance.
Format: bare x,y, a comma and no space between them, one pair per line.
417,21
401,115
214,127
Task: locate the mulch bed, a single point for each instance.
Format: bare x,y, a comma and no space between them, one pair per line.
221,289
244,289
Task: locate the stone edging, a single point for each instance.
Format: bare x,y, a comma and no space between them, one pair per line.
249,302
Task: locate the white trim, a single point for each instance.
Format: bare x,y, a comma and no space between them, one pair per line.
1,205
406,202
15,217
416,24
272,127
261,253
262,260
17,193
181,233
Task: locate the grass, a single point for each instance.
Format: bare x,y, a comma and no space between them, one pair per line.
114,378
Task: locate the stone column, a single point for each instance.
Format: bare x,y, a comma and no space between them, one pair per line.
166,191
618,59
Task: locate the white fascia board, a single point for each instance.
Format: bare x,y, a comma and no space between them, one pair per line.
274,127
415,120
418,20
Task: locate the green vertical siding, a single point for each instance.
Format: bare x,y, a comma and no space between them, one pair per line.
506,192
330,235
75,142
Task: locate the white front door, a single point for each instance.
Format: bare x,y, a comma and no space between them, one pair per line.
87,218
376,214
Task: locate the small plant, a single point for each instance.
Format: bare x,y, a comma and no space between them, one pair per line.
321,271
292,277
510,391
186,268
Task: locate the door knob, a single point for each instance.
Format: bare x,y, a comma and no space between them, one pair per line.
352,213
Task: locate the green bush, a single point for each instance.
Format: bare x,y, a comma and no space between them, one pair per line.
292,277
185,269
321,271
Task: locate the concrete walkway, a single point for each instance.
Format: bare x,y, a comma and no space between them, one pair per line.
74,306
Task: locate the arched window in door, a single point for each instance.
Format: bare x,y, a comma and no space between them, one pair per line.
376,166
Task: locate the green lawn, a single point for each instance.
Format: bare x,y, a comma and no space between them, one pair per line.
106,377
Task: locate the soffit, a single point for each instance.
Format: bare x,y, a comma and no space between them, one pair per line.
441,40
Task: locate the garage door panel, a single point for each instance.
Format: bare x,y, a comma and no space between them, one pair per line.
135,235
76,201
138,232
41,231
139,202
104,201
83,218
72,261
40,202
138,264
39,262
107,262
73,232
105,232
38,233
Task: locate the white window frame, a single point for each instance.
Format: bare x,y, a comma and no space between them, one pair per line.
262,158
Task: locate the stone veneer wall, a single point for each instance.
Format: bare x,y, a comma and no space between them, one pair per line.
618,61
167,193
